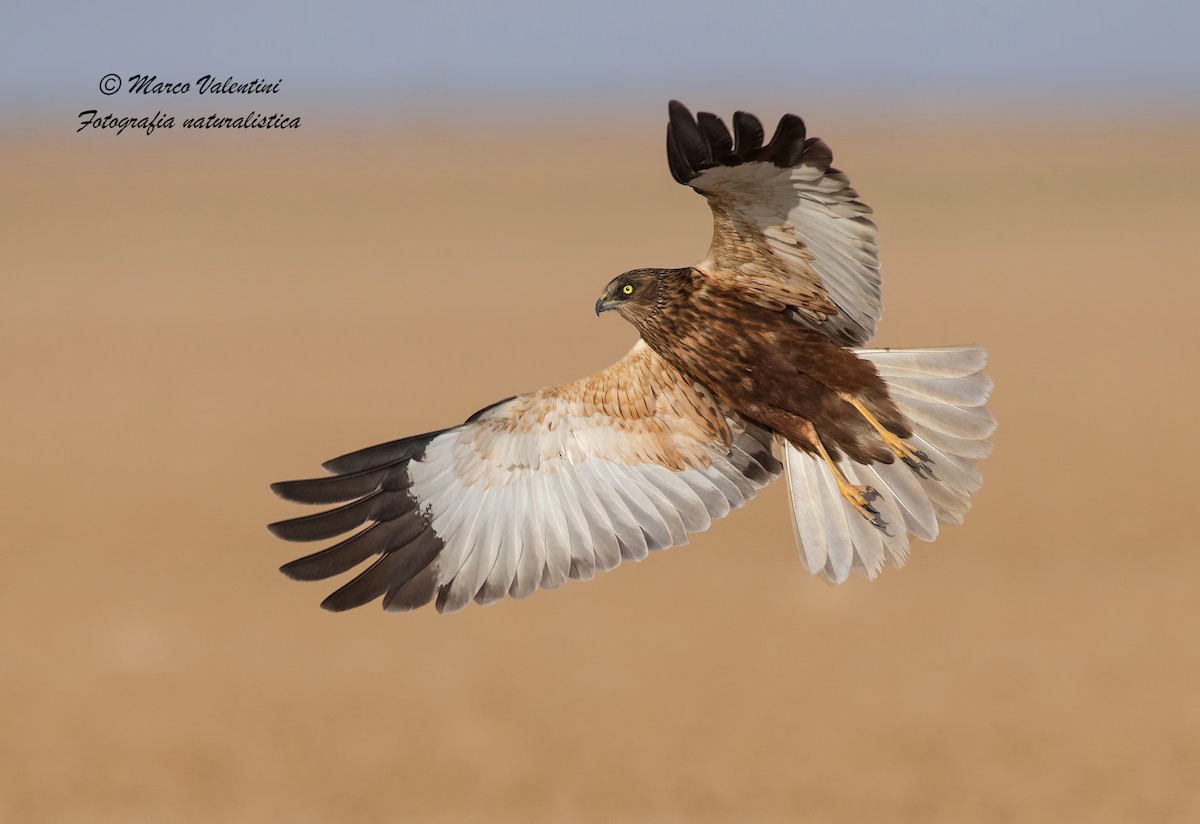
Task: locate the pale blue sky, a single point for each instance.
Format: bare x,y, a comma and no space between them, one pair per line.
546,53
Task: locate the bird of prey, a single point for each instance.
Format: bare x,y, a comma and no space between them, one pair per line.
750,364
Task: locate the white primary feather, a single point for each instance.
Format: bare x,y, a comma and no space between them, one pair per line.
560,516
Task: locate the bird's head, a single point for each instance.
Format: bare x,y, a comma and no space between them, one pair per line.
634,295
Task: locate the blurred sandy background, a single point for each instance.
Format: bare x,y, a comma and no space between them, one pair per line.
185,320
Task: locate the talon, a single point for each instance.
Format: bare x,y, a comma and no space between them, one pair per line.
914,459
859,497
923,467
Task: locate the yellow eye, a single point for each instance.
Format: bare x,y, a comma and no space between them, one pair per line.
627,289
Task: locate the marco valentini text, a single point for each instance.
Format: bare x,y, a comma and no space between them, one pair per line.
149,84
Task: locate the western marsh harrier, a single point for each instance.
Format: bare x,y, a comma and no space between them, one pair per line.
749,365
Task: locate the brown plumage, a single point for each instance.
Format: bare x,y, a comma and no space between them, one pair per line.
750,349
759,361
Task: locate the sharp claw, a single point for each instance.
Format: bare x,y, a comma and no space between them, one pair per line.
923,469
860,498
922,456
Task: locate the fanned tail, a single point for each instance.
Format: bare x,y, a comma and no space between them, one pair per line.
942,392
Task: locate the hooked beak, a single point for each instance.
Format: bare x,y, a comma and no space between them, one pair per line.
604,304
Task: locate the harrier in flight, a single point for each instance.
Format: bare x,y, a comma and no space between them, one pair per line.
750,364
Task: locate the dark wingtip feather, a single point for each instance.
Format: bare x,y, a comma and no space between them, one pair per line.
787,145
676,110
689,143
363,588
696,144
333,489
391,572
414,594
322,525
386,536
720,143
817,154
747,134
680,169
340,602
383,505
375,457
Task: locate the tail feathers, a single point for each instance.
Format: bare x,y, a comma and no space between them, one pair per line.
942,392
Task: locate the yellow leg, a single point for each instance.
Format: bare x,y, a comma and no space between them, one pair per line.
915,459
859,497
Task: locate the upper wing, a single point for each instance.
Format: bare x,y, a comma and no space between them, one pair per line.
788,229
531,491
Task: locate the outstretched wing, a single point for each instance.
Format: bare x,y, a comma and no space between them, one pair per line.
788,229
532,491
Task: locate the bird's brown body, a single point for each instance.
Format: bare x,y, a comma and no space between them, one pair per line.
762,363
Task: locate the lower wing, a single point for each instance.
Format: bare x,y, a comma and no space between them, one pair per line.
531,492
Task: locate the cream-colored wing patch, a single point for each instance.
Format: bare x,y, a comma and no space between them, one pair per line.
639,410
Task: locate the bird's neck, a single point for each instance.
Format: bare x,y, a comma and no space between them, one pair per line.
675,288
